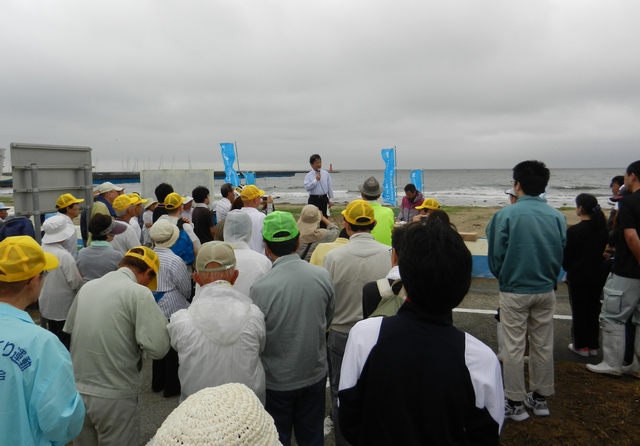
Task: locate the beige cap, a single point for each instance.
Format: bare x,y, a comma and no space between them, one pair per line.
218,252
108,186
164,233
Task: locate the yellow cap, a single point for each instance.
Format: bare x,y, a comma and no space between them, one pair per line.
151,259
359,212
21,258
250,192
173,201
429,203
135,197
66,200
122,202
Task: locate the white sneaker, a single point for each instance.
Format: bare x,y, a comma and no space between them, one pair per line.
517,412
328,426
579,351
539,406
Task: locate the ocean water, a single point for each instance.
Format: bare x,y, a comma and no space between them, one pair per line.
463,187
460,187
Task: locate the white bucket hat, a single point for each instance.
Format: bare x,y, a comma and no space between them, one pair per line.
229,415
57,229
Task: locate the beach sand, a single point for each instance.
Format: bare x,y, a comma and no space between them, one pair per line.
465,218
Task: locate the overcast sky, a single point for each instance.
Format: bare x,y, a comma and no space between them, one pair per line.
450,84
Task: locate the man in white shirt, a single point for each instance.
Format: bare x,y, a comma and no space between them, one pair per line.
68,208
219,338
224,206
250,264
134,221
63,283
251,199
4,212
125,210
318,185
187,207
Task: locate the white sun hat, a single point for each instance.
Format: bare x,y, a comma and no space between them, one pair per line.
229,415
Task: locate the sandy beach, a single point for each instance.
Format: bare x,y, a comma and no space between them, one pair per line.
465,218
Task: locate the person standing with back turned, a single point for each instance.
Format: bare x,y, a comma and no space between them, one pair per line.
621,297
526,241
318,184
39,402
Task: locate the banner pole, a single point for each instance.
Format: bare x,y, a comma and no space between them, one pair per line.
235,146
395,177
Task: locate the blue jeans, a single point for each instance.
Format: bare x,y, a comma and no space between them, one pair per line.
300,409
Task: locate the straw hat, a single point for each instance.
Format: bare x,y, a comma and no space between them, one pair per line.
229,415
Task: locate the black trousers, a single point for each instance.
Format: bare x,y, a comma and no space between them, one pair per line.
584,297
164,374
322,203
55,327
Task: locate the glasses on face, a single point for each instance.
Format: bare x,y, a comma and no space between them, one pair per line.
42,274
512,182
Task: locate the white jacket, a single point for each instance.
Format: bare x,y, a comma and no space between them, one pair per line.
219,340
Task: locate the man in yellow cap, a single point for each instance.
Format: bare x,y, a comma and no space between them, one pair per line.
351,266
174,204
252,198
113,321
125,209
39,403
428,205
68,208
136,220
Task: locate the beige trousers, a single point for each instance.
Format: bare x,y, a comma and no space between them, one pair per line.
109,422
519,314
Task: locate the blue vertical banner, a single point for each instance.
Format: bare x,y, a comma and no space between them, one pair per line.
416,179
389,185
228,157
249,178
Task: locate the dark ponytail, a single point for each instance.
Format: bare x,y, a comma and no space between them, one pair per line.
591,207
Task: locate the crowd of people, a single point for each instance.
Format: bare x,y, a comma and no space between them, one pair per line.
244,295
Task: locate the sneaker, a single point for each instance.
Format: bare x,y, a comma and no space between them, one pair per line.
593,352
517,412
328,426
539,406
580,351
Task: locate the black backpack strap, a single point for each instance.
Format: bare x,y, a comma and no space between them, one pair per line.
306,250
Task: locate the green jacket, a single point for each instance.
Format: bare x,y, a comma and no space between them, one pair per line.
385,220
526,241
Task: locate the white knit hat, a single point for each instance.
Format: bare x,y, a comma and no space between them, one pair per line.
229,415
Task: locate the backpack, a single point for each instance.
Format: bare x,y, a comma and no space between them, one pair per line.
16,226
390,303
183,247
